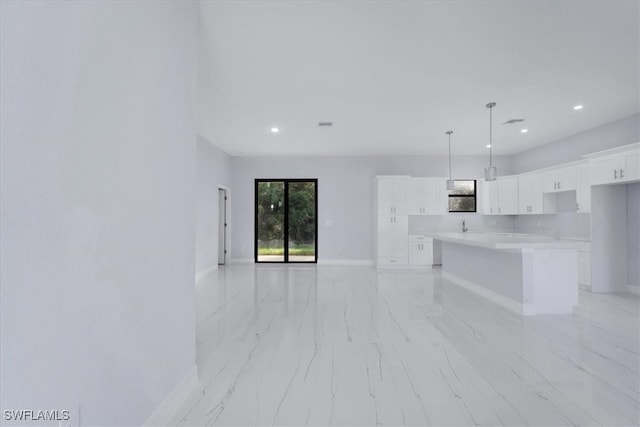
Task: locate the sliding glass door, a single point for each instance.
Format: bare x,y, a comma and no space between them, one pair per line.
286,220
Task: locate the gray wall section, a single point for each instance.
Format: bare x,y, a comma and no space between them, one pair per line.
498,271
97,204
345,194
633,234
614,134
214,168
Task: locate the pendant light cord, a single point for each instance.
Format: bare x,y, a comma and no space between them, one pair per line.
490,107
490,172
449,132
449,155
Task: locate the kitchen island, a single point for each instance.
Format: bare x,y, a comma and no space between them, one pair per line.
528,274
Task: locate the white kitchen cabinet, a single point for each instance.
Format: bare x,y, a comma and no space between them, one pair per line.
427,196
500,197
489,197
559,179
631,170
615,166
392,239
530,199
507,195
392,192
420,250
583,190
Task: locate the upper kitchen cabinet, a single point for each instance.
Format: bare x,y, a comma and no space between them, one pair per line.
530,199
616,166
560,179
508,195
392,193
427,196
500,197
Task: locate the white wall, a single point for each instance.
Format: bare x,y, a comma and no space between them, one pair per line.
614,134
345,190
97,206
214,168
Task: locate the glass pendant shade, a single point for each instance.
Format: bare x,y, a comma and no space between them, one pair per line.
490,173
450,184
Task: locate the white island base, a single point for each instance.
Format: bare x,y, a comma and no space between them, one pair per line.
530,279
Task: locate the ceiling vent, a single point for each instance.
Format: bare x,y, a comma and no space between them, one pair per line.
325,124
512,121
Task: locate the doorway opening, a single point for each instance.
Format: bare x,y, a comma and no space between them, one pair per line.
286,220
222,225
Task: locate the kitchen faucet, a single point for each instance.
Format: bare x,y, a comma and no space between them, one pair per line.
464,226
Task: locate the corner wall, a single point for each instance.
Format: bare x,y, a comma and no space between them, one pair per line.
98,164
214,169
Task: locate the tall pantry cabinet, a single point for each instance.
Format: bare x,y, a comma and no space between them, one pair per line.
392,225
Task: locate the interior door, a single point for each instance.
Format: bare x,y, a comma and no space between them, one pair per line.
222,226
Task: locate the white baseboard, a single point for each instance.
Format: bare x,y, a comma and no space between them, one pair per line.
204,273
635,290
519,308
352,262
167,409
241,261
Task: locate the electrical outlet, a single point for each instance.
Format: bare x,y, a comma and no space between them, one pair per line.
328,223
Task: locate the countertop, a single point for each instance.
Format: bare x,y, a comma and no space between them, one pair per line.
506,240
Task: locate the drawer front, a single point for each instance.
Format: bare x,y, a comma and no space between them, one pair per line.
391,261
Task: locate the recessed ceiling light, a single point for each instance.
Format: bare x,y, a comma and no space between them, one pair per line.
275,130
524,130
578,107
488,145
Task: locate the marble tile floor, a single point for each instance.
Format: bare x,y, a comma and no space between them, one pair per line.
325,345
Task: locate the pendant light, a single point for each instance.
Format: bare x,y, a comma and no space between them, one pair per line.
450,180
491,172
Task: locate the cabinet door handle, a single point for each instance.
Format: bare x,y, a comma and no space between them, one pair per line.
555,185
499,210
621,173
615,174
558,185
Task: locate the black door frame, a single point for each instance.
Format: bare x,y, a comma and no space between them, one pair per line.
286,182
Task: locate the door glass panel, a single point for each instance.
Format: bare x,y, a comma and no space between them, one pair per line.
270,221
302,221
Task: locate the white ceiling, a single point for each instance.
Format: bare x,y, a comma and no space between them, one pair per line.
393,76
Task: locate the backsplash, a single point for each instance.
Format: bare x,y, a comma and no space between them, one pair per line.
453,222
564,225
